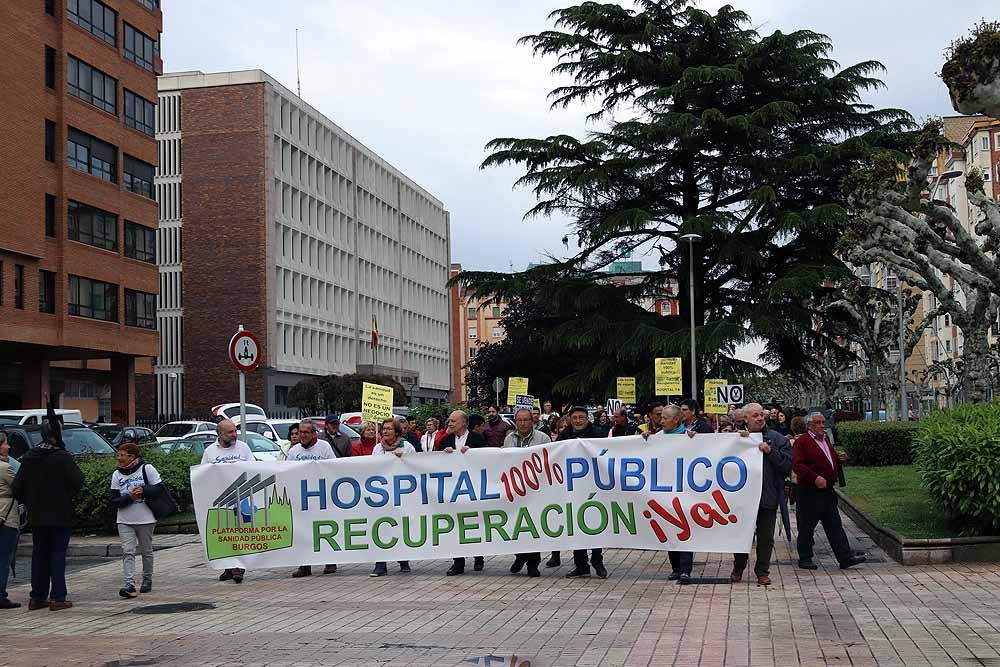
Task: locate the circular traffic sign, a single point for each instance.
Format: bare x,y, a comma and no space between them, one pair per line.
244,351
498,385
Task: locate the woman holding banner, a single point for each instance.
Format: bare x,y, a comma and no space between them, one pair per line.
392,444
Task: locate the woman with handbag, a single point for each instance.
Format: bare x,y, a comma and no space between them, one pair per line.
134,482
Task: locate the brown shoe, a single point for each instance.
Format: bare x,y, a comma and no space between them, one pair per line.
763,580
736,576
34,604
56,605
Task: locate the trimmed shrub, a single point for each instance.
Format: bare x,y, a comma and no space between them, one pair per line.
876,443
94,512
957,452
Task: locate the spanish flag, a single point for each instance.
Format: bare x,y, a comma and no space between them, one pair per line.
374,333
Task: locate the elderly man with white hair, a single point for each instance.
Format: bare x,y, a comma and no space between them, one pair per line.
816,464
777,464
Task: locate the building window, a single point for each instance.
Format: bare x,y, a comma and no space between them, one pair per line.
91,85
151,5
473,352
496,311
140,242
98,18
50,141
50,67
472,313
92,155
140,113
139,48
140,309
50,7
50,215
46,292
473,331
986,142
93,298
496,332
18,286
280,394
139,177
93,226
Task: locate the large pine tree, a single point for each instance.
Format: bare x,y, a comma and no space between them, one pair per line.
705,127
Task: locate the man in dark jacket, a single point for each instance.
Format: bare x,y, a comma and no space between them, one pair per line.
777,464
496,429
339,443
620,424
461,438
580,427
692,422
46,483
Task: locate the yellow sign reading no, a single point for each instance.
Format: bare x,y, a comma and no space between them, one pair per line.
376,402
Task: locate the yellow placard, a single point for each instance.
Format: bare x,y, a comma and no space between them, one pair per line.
712,406
538,405
626,390
516,386
376,402
667,372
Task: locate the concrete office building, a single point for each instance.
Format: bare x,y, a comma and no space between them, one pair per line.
274,217
78,275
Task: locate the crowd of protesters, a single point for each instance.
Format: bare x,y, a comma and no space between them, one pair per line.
800,464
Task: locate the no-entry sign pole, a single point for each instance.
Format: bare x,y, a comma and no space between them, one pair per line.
244,352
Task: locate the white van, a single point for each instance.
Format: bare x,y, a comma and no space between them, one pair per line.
37,416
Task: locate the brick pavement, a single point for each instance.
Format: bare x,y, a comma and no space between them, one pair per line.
876,614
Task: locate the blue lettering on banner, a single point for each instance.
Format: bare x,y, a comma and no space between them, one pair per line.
632,470
335,492
398,487
381,493
320,493
720,476
693,485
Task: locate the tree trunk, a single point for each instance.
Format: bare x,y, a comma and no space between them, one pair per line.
976,366
874,385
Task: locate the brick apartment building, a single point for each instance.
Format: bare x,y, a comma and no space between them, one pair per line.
273,217
78,275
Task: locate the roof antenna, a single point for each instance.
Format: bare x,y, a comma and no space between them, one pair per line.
298,77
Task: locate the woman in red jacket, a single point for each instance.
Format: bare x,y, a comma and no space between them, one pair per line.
368,440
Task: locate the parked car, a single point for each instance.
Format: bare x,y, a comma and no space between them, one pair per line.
116,434
262,448
80,440
182,429
37,416
231,410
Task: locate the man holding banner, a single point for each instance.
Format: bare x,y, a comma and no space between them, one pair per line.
461,438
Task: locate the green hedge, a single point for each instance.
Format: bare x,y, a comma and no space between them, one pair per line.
876,443
958,455
94,512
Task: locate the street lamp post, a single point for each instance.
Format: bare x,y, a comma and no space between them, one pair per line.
691,238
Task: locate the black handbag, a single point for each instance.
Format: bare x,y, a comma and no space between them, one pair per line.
162,505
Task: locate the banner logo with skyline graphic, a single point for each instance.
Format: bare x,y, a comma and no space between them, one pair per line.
237,525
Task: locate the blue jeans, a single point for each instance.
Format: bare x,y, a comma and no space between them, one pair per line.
8,542
48,562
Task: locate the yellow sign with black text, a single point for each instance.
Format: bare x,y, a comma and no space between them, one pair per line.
376,402
668,376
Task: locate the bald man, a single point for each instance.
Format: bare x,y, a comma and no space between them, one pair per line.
227,449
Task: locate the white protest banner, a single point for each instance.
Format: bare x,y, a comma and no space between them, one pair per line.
670,492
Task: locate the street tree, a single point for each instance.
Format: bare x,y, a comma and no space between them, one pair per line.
703,126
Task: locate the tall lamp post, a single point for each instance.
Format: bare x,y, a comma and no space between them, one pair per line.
691,238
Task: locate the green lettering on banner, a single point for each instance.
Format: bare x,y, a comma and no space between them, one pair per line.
408,539
464,528
524,524
581,517
375,536
569,519
495,520
545,520
350,534
319,535
438,531
620,518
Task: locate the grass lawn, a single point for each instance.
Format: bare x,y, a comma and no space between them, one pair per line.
180,517
893,497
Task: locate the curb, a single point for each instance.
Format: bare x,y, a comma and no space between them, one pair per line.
923,551
110,549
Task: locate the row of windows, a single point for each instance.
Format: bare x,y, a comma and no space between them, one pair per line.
102,22
473,313
99,300
89,154
97,227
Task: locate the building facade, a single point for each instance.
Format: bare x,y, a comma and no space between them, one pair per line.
474,323
275,218
78,276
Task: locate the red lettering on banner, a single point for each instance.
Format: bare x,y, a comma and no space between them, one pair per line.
703,514
523,478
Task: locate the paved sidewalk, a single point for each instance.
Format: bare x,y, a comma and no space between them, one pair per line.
876,614
104,546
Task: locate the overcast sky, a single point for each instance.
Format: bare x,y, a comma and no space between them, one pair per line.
426,83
